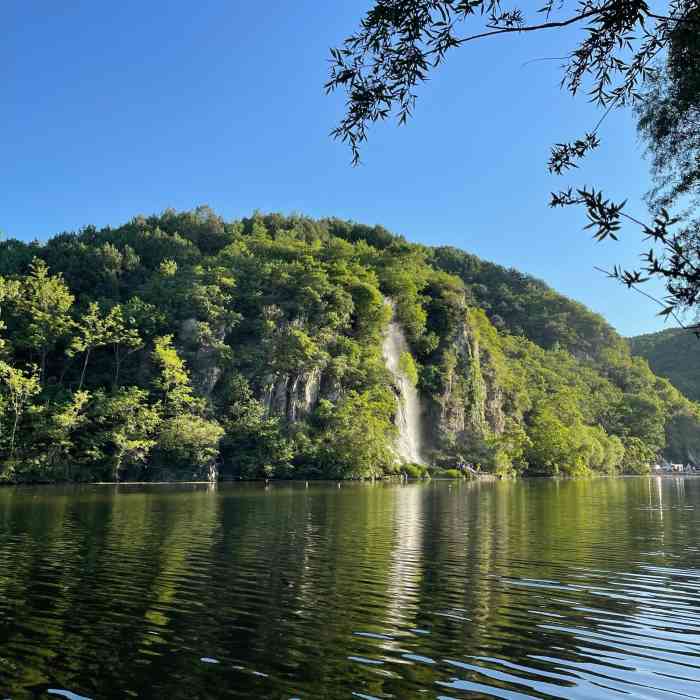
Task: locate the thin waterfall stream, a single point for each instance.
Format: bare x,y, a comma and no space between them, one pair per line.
409,414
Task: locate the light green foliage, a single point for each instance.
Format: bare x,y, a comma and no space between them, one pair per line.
168,268
93,332
65,421
556,447
187,441
121,333
256,346
41,310
356,438
447,474
124,431
254,445
173,380
18,390
415,471
638,457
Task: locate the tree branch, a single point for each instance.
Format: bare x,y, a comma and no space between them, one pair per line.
532,28
607,273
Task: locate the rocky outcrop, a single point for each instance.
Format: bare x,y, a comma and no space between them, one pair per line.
292,396
202,351
470,400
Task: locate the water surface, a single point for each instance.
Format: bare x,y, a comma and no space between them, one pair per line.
536,589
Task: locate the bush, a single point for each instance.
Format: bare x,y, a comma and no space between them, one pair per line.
189,441
415,471
447,474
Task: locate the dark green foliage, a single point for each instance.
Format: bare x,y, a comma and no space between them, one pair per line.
527,306
674,354
180,345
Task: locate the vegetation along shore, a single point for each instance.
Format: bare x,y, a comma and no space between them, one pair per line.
182,346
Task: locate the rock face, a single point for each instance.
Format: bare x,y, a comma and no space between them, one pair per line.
470,400
202,352
292,396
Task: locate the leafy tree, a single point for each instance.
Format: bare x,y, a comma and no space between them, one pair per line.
188,441
186,438
357,434
121,334
92,334
125,430
669,115
43,304
19,388
173,380
638,456
65,422
254,445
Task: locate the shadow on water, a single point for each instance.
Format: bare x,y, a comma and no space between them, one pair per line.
535,589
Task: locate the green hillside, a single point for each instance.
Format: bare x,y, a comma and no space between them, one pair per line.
673,354
185,346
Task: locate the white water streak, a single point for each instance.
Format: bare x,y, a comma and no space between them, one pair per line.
408,416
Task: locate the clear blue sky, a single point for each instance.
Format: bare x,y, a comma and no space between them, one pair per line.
108,110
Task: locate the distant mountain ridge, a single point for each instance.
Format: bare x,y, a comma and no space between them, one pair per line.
673,353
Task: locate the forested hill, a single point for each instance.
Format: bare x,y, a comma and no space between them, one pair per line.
182,346
674,354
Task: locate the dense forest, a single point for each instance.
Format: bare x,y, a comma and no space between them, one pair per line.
184,346
674,354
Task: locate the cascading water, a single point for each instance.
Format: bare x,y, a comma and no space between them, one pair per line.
408,416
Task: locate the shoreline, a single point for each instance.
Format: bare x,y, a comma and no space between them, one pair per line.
484,478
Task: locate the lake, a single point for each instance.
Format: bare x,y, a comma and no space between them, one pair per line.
529,589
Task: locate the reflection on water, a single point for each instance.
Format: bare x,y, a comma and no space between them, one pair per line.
537,589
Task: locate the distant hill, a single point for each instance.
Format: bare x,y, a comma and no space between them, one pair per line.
673,354
184,346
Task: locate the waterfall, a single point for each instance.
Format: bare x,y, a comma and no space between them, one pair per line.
408,415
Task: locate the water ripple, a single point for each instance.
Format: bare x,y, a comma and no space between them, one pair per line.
576,590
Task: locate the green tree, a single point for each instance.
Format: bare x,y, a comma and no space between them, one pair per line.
358,434
19,388
92,334
173,380
125,430
254,445
65,422
123,336
186,438
189,441
638,456
44,302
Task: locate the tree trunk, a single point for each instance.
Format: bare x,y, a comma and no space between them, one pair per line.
43,366
117,365
14,431
85,364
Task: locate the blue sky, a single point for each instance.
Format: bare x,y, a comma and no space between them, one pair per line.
113,109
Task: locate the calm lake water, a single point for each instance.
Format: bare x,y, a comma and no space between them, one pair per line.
535,589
